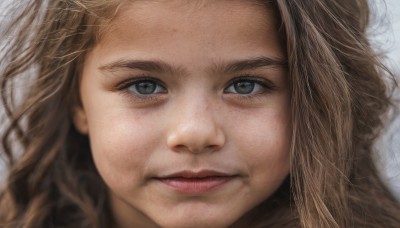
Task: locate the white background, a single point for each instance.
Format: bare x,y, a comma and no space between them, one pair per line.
385,35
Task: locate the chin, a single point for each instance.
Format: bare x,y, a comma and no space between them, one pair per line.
197,221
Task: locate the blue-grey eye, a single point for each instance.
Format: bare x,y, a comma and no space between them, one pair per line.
146,88
244,87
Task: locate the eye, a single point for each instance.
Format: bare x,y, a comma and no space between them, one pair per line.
247,86
143,87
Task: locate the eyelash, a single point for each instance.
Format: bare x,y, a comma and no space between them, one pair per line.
125,85
266,86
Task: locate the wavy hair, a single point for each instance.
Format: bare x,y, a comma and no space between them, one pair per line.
339,101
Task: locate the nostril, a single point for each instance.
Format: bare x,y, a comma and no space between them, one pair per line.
195,137
213,148
184,148
180,147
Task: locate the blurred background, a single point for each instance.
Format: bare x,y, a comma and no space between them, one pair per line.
385,37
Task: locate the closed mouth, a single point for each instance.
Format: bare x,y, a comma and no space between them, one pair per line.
195,182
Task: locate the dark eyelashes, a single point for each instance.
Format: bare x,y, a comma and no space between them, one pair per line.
126,84
267,84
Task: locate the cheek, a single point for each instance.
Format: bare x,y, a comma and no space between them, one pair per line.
121,146
264,143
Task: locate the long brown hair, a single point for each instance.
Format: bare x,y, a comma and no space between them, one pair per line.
338,105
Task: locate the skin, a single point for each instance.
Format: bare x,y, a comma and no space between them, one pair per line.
196,119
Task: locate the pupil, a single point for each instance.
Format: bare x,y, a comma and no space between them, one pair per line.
244,87
146,87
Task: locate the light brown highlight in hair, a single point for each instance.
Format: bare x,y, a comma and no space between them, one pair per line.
54,182
339,99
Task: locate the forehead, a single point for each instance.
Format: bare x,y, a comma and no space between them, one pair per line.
139,19
190,6
150,9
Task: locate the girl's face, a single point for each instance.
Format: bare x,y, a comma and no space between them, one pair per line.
186,105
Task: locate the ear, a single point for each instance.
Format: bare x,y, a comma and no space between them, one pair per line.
80,120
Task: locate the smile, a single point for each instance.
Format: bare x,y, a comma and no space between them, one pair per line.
196,182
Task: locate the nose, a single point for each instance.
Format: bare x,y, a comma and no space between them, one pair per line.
194,128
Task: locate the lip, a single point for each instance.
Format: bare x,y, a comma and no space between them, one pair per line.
191,182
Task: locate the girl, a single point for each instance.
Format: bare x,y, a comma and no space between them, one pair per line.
238,113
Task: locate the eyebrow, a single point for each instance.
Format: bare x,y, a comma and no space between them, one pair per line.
144,65
254,63
163,67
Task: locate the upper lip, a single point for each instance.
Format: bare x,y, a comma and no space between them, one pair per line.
195,174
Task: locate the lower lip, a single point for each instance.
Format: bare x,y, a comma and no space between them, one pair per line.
195,185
